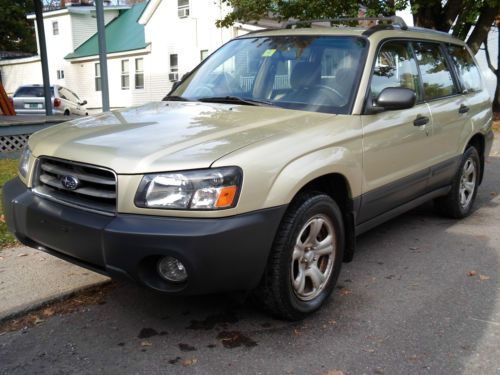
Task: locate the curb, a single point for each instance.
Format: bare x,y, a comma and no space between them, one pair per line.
36,305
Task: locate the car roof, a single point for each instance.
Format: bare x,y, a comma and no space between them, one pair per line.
375,33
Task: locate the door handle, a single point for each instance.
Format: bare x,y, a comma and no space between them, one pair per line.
463,109
421,120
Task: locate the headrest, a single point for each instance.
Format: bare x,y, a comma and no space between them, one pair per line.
305,74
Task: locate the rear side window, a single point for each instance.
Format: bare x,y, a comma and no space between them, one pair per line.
436,74
31,92
395,67
466,68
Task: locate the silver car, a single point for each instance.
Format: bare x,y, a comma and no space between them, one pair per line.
29,100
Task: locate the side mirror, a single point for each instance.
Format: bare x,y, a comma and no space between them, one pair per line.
392,98
83,103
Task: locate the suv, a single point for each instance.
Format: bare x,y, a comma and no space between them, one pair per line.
261,167
30,100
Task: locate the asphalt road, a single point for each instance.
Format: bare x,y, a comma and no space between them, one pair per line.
422,296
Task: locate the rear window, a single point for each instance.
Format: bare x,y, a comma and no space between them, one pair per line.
466,68
31,91
436,74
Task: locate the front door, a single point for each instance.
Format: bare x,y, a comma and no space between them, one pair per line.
395,143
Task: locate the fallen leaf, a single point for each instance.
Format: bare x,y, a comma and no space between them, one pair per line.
493,193
38,320
146,343
189,362
2,218
345,291
335,372
22,255
471,273
483,277
332,322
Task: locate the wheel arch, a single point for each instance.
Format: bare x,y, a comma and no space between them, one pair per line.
337,186
478,142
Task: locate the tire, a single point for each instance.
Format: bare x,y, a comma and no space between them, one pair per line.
66,113
458,203
293,258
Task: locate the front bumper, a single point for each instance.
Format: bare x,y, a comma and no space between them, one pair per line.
220,254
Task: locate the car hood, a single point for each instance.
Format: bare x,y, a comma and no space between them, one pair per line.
165,136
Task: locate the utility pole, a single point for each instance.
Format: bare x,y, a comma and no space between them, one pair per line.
103,63
43,56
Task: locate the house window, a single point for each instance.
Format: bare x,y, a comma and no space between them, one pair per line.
55,28
125,75
174,68
203,54
139,73
183,8
60,74
97,77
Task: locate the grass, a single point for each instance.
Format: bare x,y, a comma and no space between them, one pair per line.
8,170
496,121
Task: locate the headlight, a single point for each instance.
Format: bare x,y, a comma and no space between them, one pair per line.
24,162
207,189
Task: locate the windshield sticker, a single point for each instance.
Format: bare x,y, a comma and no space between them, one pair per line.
268,52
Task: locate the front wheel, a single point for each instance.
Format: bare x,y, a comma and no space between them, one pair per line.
306,258
458,202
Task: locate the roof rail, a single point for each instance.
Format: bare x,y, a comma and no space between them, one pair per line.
394,21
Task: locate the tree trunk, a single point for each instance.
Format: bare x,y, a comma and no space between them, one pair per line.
482,28
496,99
428,16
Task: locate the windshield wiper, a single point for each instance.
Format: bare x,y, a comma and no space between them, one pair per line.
236,100
176,98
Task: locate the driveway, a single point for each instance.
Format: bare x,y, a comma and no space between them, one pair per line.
421,296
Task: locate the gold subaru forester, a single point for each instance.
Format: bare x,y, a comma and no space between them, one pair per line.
260,168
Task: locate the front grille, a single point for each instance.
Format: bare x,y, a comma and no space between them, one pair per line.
95,190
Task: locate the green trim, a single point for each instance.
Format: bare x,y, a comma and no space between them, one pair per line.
123,34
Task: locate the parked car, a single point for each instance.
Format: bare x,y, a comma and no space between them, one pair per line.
258,171
30,100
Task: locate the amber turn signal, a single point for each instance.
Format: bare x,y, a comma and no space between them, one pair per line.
226,196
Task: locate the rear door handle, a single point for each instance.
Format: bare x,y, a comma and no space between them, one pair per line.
463,109
421,120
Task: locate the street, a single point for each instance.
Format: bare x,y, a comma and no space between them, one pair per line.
421,296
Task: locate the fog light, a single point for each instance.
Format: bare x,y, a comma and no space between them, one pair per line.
172,269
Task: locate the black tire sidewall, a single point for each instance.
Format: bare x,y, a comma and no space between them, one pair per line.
320,204
471,152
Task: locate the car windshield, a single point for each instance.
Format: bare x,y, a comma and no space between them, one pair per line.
312,73
32,92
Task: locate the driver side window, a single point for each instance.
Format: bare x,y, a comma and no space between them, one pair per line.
395,66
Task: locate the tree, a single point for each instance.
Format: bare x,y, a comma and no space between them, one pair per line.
17,33
469,20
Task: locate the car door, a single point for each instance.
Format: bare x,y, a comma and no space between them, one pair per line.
448,110
395,159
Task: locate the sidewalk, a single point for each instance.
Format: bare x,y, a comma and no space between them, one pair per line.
30,278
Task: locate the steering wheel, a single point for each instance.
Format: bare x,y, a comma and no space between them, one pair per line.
335,96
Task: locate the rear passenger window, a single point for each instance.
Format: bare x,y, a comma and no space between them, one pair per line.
436,75
395,67
466,68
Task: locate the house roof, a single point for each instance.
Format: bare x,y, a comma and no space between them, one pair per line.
123,34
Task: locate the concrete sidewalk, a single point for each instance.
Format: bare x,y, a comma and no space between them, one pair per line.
30,278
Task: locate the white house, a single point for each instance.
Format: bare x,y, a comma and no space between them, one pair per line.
150,45
65,29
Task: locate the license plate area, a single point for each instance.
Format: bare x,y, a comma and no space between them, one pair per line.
33,105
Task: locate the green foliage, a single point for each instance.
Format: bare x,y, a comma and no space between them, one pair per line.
8,170
17,33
